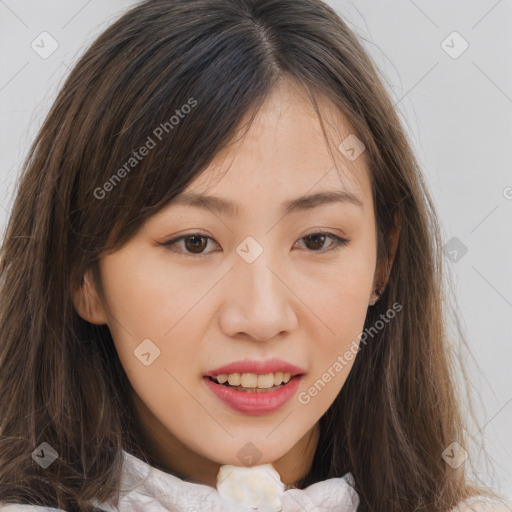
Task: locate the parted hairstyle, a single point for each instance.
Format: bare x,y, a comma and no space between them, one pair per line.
61,380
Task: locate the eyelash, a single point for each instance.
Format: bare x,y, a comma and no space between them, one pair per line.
338,243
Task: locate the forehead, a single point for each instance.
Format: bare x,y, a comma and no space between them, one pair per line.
283,154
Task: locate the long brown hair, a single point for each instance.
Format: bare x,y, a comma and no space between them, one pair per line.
61,380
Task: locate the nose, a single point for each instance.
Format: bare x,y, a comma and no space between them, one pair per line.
260,302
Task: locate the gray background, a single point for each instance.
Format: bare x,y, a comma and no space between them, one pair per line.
457,111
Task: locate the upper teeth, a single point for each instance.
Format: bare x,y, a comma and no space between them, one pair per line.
253,380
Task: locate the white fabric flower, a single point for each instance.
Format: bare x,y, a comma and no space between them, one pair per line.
253,486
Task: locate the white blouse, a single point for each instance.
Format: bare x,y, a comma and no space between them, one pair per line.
145,488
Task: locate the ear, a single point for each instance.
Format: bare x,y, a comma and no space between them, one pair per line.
383,268
87,301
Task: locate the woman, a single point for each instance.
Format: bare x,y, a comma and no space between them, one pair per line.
134,362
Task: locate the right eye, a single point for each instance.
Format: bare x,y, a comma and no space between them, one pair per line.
194,244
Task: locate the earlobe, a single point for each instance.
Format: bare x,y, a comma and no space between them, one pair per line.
87,302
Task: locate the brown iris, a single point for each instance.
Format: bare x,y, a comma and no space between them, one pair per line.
196,244
319,236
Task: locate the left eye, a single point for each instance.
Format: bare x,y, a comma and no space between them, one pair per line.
195,243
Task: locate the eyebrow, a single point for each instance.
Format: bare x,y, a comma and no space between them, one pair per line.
303,203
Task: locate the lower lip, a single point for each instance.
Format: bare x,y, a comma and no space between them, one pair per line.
265,402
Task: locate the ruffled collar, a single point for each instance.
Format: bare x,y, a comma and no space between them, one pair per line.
145,488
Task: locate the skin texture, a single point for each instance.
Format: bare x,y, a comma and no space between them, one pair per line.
298,301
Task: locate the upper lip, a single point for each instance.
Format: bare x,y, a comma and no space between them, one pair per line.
259,367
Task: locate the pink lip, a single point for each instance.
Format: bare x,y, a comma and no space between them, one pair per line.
258,367
265,402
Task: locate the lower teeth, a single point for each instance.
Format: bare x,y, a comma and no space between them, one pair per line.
255,390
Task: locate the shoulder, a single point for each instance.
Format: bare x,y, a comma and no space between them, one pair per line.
14,507
483,505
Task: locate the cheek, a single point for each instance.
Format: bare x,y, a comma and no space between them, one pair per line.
143,297
341,312
148,301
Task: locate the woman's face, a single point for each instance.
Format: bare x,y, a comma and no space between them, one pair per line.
249,286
